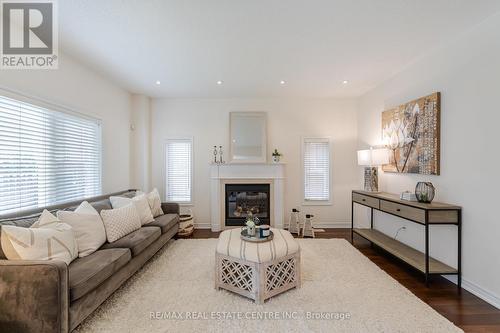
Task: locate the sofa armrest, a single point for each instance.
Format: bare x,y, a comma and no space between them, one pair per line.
34,296
170,208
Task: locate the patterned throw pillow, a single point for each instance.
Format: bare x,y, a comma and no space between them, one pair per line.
87,226
154,202
46,239
120,222
140,202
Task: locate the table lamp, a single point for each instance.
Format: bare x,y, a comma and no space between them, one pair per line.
371,159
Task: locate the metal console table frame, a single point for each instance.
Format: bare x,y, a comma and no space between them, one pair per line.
420,213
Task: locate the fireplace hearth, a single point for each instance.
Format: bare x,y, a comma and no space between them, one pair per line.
244,199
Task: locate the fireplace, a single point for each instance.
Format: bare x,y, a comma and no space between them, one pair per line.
242,199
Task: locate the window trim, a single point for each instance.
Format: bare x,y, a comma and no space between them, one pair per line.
305,202
165,178
56,107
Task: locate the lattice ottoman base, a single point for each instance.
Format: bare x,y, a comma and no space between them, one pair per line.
258,281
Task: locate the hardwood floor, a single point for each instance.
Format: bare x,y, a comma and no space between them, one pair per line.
464,309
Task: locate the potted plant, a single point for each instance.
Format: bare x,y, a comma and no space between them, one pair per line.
276,156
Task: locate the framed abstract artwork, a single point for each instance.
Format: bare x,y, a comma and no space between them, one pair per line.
412,133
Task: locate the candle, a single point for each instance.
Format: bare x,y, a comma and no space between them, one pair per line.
264,231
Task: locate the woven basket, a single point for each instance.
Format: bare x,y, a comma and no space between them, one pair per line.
186,225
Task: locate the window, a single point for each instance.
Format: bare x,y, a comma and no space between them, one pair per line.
46,156
316,156
179,170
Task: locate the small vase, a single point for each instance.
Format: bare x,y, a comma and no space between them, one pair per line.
276,159
425,192
251,231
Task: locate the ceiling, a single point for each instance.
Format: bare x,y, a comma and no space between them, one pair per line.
313,45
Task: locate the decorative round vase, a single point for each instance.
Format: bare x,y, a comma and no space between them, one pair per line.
425,191
276,159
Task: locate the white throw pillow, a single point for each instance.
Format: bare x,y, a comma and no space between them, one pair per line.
120,222
87,226
140,202
154,202
46,239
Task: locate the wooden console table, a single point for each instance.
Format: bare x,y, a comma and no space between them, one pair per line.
425,214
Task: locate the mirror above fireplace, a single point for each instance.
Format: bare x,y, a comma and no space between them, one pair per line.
248,137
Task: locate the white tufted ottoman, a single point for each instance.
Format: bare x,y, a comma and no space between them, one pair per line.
257,270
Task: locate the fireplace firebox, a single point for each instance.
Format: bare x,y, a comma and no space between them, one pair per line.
243,199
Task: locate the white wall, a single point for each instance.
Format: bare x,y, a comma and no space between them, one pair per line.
140,142
207,121
80,89
467,73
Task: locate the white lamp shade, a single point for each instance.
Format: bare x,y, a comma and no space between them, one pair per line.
373,157
364,157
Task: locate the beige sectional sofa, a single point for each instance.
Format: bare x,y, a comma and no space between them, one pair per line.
50,296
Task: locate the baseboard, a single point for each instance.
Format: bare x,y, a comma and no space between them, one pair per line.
483,294
202,226
333,225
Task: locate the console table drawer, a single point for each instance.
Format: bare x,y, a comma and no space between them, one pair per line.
366,200
410,213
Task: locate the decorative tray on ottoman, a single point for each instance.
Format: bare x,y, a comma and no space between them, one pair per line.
255,239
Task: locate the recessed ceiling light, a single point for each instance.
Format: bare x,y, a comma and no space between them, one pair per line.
345,82
220,82
282,82
158,82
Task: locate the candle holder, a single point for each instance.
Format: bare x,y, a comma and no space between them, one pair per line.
221,155
215,154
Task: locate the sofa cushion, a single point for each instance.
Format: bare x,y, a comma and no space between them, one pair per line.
136,241
120,222
165,222
46,239
87,226
154,201
87,273
101,204
141,204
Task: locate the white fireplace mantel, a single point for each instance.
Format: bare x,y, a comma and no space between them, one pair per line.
273,174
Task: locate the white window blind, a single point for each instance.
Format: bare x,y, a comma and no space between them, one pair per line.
179,167
316,154
46,156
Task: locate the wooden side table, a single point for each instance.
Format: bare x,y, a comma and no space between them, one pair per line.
433,214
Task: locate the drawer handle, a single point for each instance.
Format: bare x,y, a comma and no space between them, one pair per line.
398,210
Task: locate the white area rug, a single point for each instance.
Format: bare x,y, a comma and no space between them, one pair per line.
340,284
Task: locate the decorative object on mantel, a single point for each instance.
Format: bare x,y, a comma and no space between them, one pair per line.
221,155
218,155
276,156
372,159
412,132
308,230
294,222
408,196
425,192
